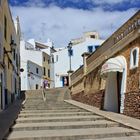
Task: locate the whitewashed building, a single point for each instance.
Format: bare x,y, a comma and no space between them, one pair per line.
33,62
88,43
34,76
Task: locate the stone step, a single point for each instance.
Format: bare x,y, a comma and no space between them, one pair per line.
48,108
49,105
63,125
117,138
45,105
54,114
34,97
72,134
60,119
52,111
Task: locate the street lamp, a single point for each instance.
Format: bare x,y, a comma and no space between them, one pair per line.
70,53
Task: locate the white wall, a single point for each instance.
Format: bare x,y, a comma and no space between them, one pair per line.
36,57
32,55
34,78
31,67
24,75
32,81
62,65
52,85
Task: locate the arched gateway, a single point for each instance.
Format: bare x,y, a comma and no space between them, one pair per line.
114,70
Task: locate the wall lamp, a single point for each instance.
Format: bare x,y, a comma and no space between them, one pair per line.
21,70
13,45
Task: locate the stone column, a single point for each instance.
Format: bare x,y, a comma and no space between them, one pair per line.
85,55
69,74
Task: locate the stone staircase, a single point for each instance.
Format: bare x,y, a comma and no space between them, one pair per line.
54,119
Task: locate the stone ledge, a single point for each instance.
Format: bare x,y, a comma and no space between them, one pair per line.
122,119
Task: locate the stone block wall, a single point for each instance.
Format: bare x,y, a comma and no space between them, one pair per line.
132,104
93,99
92,83
133,75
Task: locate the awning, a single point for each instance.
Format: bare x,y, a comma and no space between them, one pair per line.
113,65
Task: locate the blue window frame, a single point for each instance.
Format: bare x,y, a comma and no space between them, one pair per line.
96,46
90,49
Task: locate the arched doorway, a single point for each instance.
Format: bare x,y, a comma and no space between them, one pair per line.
115,71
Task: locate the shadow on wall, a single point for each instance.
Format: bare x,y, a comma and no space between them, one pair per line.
22,95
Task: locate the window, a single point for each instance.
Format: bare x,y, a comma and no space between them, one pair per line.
16,60
90,49
5,28
43,58
92,36
44,71
134,58
48,73
36,86
97,46
14,54
15,86
37,70
52,59
48,85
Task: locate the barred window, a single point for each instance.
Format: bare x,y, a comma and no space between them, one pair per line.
134,58
90,49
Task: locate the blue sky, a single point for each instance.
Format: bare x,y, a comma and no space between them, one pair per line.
62,20
84,4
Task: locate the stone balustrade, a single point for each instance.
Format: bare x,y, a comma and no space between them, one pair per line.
77,75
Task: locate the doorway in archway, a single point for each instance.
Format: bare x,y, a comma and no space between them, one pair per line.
113,92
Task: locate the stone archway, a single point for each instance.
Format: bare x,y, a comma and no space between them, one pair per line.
115,86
